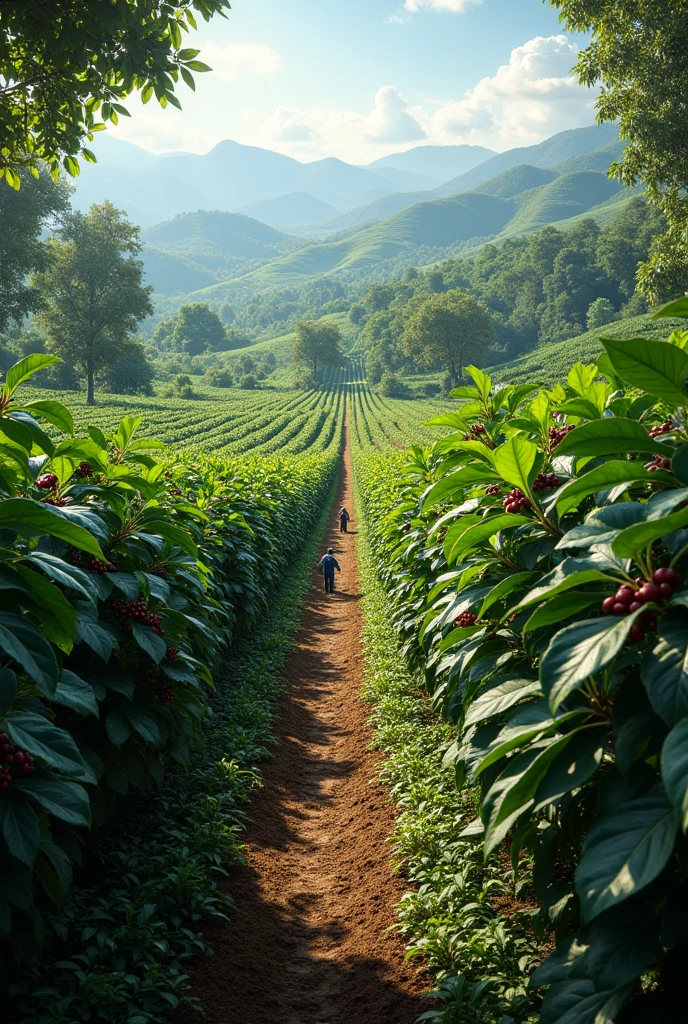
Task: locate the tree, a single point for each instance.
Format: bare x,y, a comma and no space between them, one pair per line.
392,387
227,314
357,313
23,215
639,53
600,313
219,376
66,66
317,342
198,329
448,330
130,373
93,292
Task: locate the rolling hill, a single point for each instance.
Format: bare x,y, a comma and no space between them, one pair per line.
299,208
431,230
197,247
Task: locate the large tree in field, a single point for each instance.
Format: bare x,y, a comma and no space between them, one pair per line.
639,54
317,344
67,65
198,329
449,330
92,290
23,215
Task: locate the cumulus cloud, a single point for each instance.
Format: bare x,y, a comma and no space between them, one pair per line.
345,132
440,5
532,96
391,121
237,60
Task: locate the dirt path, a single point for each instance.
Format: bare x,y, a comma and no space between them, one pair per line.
308,941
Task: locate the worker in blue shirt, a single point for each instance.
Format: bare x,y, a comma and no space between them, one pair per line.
328,563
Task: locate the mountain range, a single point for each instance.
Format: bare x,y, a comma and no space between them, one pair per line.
151,187
220,253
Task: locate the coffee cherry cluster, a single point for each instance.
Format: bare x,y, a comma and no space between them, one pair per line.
138,611
663,428
477,433
168,474
627,599
161,572
83,471
172,653
10,754
57,502
515,501
176,491
546,481
465,619
162,690
557,435
84,561
493,489
659,463
47,482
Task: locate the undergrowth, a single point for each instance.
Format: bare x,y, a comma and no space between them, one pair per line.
468,920
118,950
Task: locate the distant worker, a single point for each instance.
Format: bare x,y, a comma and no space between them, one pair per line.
344,518
328,563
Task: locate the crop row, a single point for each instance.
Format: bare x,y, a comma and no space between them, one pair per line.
536,558
125,572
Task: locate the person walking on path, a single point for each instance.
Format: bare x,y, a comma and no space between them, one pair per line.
328,563
344,518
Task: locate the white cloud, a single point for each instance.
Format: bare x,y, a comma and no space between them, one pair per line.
457,6
345,133
390,121
237,60
531,97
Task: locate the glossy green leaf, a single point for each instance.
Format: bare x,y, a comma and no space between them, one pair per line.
20,828
609,436
579,651
654,366
679,308
463,536
572,767
626,849
503,589
54,412
601,478
518,462
454,484
665,668
500,698
66,800
8,689
675,769
562,607
149,642
46,741
75,693
32,519
638,537
25,644
580,1003
25,369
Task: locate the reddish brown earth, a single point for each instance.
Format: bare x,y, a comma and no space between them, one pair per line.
310,938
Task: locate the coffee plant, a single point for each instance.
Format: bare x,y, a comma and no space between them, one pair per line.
537,561
124,572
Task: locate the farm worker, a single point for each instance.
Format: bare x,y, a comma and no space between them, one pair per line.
328,563
344,518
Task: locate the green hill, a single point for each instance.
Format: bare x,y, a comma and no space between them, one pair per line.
517,180
598,160
551,363
564,197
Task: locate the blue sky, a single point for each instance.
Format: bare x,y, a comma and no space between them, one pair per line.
360,79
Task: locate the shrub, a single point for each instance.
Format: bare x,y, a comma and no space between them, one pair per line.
538,559
248,382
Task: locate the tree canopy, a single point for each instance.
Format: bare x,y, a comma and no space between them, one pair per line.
66,66
449,330
317,343
93,296
639,53
23,215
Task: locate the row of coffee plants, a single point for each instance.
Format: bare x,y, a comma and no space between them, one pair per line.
118,949
124,573
453,915
536,559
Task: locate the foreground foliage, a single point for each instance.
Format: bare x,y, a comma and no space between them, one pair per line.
536,557
124,574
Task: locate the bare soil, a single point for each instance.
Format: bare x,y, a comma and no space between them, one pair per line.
311,938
